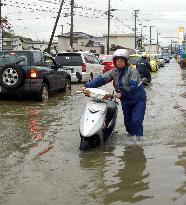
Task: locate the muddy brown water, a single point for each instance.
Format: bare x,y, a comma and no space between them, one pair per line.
40,162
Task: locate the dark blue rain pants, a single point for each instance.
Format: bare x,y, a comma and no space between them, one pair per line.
133,117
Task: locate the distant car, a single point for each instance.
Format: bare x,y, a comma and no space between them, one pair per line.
107,61
161,60
84,63
133,59
166,57
31,73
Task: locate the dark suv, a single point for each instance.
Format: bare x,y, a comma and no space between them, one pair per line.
31,73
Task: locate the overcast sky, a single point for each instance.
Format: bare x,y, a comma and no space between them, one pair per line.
36,18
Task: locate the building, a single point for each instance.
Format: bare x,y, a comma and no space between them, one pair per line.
20,43
119,40
152,48
81,42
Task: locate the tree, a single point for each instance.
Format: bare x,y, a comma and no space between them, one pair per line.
6,27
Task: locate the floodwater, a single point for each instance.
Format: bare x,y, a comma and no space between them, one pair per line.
40,162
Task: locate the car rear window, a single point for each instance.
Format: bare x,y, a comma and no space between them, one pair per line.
133,60
69,59
9,57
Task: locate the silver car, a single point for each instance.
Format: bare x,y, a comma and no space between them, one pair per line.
161,60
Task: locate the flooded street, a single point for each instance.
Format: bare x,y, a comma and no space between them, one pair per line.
40,163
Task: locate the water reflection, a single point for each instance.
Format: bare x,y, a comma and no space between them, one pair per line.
181,162
122,171
129,177
37,132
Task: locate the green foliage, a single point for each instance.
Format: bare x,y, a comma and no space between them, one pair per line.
7,34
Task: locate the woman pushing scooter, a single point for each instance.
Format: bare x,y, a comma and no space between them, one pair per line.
129,90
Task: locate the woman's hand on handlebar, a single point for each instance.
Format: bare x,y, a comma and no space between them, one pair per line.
117,95
107,96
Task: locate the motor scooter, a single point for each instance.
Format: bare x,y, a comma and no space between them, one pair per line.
97,123
98,120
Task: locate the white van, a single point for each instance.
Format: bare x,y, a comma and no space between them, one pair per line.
85,63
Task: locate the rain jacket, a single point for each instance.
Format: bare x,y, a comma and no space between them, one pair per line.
126,81
144,68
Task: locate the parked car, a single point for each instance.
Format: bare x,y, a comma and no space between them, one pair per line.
31,73
133,59
85,63
161,60
166,57
107,61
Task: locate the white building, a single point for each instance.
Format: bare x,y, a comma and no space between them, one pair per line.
81,42
119,40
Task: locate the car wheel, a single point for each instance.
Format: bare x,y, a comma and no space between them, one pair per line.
67,84
11,77
43,93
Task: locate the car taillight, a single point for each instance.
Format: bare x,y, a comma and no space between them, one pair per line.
84,67
110,65
33,73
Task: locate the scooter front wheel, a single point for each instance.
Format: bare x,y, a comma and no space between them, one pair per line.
89,143
84,144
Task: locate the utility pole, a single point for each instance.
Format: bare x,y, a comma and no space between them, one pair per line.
150,35
171,46
62,29
0,11
72,25
135,29
55,25
108,35
1,29
157,37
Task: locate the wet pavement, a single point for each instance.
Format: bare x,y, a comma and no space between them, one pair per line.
40,162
